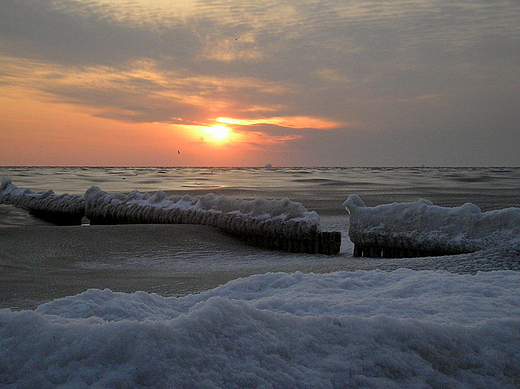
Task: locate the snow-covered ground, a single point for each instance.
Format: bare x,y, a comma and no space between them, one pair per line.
455,325
364,329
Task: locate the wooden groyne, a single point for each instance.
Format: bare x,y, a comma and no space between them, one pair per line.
272,224
322,242
64,209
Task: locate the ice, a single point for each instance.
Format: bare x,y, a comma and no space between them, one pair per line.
361,329
274,224
428,229
279,224
146,208
59,209
401,329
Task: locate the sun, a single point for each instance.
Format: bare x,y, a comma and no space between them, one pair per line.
218,133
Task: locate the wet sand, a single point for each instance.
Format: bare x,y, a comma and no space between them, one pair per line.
42,263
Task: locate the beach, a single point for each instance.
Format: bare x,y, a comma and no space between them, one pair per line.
160,305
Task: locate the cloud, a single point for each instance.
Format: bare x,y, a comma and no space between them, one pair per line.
71,33
289,69
289,122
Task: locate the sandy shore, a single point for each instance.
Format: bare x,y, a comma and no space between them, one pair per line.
39,263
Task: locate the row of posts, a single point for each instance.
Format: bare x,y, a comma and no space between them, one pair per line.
388,252
319,242
322,242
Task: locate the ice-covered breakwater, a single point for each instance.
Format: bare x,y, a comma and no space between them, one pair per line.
423,229
61,209
274,224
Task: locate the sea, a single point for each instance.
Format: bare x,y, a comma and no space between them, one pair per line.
187,306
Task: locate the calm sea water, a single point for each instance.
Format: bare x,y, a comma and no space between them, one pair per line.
41,262
320,189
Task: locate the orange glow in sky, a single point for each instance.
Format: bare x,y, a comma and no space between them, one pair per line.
231,83
290,122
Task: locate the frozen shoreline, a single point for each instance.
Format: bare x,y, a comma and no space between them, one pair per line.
42,263
401,329
423,229
252,317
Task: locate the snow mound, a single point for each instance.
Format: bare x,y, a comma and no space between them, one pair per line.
422,228
377,329
61,209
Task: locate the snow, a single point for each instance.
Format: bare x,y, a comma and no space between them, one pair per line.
364,329
281,224
275,224
193,210
429,228
259,215
61,209
259,208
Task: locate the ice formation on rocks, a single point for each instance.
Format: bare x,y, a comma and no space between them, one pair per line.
422,228
61,209
275,224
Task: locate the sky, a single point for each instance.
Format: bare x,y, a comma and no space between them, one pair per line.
250,83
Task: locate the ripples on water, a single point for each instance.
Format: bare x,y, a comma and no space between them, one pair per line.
320,189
